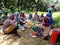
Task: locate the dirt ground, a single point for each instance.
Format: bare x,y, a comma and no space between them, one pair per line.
11,39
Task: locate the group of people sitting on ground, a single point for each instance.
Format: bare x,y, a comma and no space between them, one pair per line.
19,18
16,20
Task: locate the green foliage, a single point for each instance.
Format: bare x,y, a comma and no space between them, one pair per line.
57,6
57,21
40,5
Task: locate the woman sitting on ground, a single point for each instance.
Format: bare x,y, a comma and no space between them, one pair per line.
22,19
46,26
41,18
36,18
10,26
51,20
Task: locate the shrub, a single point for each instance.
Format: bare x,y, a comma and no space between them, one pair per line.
57,21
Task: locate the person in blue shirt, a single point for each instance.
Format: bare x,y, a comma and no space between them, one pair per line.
30,16
50,9
51,19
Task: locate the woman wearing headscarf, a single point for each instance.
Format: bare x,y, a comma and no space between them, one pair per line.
48,23
50,10
10,25
46,26
51,19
